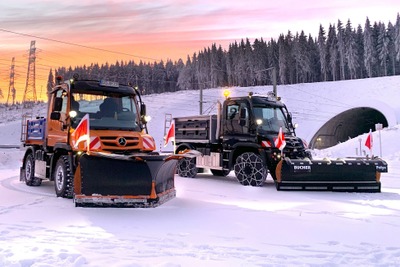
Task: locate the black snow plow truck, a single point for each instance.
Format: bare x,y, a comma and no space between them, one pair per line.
242,137
95,146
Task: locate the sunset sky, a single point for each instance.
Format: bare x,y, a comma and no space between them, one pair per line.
73,33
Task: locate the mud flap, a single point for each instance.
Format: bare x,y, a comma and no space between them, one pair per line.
345,175
141,180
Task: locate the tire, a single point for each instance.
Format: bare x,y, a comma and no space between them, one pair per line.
187,167
250,170
63,178
29,172
220,172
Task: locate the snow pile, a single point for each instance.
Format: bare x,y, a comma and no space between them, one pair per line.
385,144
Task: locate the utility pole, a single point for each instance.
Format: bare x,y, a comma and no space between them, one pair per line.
201,100
274,81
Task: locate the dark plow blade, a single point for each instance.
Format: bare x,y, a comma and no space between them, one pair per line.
344,175
124,181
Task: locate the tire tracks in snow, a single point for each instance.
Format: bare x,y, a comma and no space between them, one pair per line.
12,183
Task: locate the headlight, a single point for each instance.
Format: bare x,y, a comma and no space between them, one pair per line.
73,113
147,118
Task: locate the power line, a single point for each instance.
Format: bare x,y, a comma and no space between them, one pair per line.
78,45
342,104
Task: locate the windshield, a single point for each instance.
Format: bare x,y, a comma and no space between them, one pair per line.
105,112
270,119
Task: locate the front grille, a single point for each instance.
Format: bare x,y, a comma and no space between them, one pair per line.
294,148
110,143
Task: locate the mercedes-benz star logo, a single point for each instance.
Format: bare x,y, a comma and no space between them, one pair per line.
122,141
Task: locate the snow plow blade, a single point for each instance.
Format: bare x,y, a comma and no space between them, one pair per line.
109,180
343,175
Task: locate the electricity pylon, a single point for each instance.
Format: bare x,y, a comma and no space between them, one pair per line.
30,87
11,89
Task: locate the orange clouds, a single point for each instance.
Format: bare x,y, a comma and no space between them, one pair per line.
136,30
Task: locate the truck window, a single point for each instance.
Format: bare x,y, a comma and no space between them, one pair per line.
270,119
62,94
127,104
108,112
243,106
244,121
233,111
234,123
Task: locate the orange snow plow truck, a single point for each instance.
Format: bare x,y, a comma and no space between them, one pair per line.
95,146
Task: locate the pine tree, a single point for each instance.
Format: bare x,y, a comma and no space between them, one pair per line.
185,77
315,65
223,75
368,48
282,59
273,55
242,64
261,63
359,40
383,47
171,76
376,67
290,68
397,37
50,82
341,49
322,52
302,57
392,53
332,51
351,50
229,66
250,66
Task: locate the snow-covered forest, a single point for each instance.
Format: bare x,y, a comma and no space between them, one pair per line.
339,52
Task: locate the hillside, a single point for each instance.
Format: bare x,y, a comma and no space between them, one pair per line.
213,221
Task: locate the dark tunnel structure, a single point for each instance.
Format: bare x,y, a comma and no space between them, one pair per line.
348,124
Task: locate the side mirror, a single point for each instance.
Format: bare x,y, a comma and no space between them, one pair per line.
55,116
142,110
289,117
143,117
242,114
57,104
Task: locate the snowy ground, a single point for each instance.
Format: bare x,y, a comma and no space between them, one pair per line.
212,221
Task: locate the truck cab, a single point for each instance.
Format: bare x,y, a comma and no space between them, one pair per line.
253,123
255,116
258,119
116,115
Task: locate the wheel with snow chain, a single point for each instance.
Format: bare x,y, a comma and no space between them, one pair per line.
63,178
187,167
250,170
29,172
